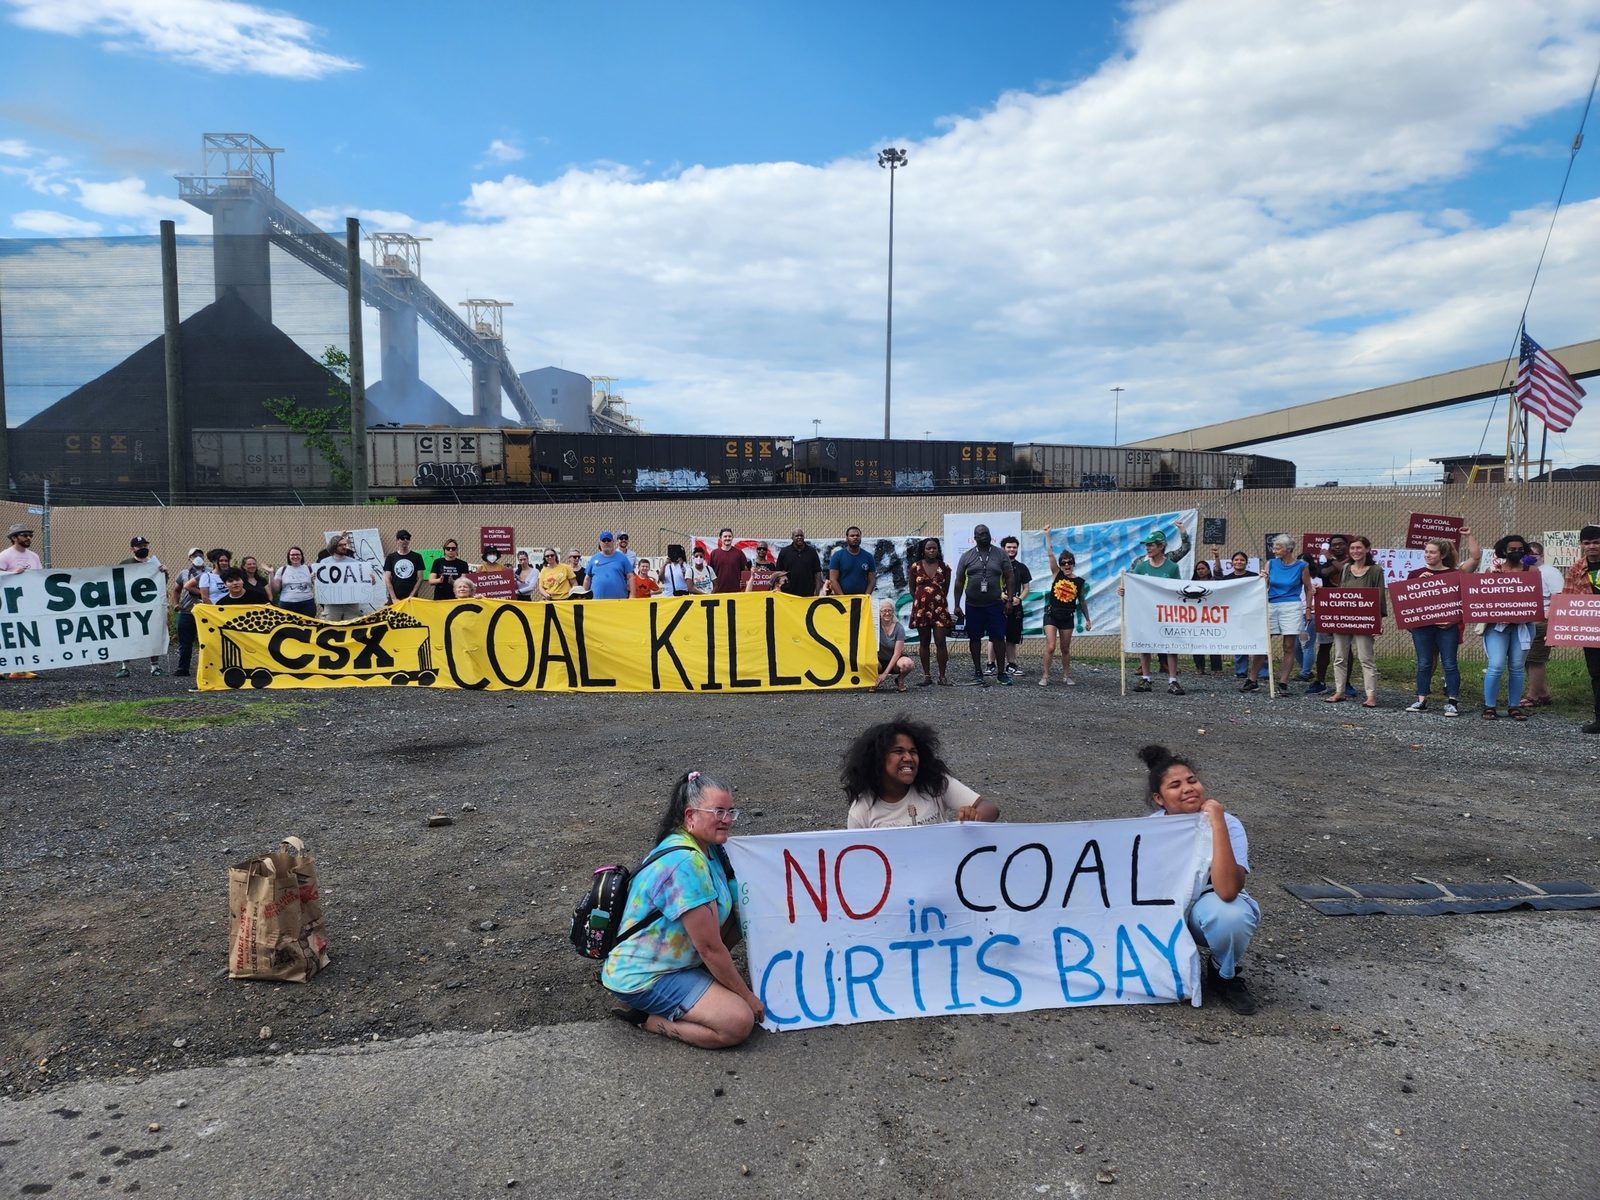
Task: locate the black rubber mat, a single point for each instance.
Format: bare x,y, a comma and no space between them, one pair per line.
1427,898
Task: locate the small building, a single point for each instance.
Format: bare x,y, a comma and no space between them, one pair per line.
1473,468
560,397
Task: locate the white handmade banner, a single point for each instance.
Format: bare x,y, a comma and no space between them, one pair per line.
51,619
345,580
876,925
1176,616
368,546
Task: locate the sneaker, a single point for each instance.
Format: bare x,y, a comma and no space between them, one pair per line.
123,673
1013,670
1142,686
1234,993
978,680
1450,709
1069,681
988,668
1422,706
156,670
1350,693
1304,677
1005,679
1174,688
181,673
1315,688
1249,685
1591,727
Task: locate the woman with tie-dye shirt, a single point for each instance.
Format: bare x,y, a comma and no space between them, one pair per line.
675,974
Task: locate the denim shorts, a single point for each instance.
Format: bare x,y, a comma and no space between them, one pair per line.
674,994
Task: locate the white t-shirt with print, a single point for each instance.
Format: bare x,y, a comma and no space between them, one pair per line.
917,808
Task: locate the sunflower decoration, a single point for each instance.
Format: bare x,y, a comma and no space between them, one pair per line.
1065,591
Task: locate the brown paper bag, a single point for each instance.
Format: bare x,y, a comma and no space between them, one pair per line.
275,925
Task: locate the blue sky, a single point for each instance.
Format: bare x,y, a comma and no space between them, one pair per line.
1223,207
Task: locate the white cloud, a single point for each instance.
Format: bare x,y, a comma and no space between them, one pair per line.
15,148
501,151
128,200
224,36
54,224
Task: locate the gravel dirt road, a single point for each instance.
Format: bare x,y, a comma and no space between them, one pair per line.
114,851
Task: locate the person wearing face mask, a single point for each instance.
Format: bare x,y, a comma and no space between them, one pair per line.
702,579
186,593
1506,643
139,552
492,560
1583,579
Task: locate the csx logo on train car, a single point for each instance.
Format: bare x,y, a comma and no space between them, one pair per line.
733,448
383,645
979,454
116,443
447,443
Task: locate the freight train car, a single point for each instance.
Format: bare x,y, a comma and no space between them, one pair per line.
397,459
876,465
1115,468
646,464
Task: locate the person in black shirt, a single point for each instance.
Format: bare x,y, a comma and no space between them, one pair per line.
802,567
446,571
1021,577
402,568
233,580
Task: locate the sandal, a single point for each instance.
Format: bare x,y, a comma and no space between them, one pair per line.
925,681
1369,702
1336,698
1516,714
1490,714
900,683
943,682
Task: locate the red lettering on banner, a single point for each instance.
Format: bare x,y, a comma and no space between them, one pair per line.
838,883
819,900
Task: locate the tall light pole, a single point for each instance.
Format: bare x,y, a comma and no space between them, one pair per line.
893,159
816,426
1116,412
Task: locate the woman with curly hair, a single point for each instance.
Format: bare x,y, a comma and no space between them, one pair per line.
929,580
893,777
1066,599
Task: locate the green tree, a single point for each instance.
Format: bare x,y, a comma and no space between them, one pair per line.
325,429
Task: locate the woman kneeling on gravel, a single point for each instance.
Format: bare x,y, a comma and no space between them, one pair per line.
1223,917
675,975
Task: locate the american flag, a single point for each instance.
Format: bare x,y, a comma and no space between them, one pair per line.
1545,389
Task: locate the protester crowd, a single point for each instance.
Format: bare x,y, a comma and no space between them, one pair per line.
983,596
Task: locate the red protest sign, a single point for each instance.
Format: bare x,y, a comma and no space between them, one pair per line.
493,585
1512,596
1574,621
1316,543
1423,526
1426,600
1347,610
497,536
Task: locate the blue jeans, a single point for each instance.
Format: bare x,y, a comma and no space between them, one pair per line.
1503,649
1225,927
1437,641
1308,651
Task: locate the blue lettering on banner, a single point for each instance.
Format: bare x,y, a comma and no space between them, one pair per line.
1169,951
916,949
984,966
1125,954
851,979
1081,967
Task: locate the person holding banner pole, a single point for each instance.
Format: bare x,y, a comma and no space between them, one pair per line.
1583,579
894,778
1223,916
675,975
1288,601
1359,571
1437,642
1156,562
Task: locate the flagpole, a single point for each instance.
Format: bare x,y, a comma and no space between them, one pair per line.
1272,667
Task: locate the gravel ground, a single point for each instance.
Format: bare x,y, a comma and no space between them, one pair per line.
114,849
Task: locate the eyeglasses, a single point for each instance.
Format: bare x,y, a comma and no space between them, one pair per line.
730,815
452,547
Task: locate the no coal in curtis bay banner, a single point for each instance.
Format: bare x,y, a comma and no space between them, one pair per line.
729,643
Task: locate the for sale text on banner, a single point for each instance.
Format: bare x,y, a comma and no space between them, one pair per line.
729,644
875,925
52,619
1176,616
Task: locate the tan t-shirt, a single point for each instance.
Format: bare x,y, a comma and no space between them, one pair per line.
915,809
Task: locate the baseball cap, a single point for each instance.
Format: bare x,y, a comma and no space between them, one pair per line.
138,540
607,536
402,535
1155,537
622,533
1589,533
193,550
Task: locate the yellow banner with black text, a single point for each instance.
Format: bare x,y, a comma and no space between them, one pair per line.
745,642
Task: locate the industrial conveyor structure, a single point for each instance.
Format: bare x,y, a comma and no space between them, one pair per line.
238,189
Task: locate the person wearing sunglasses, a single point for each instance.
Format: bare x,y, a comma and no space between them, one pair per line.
1066,601
893,777
557,578
674,975
447,570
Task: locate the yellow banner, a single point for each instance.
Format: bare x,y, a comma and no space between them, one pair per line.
745,642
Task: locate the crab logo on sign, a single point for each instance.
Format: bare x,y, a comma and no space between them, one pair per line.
1194,593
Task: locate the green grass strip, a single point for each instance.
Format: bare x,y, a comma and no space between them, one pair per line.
92,718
